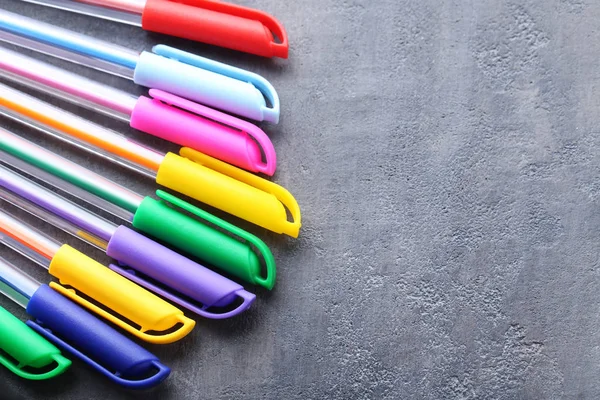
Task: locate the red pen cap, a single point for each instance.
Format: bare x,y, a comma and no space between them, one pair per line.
218,23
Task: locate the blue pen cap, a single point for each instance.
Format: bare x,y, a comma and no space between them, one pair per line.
211,83
78,332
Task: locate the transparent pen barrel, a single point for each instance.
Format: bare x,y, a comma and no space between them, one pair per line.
16,284
122,204
65,44
53,219
28,192
30,242
132,6
80,132
124,11
66,85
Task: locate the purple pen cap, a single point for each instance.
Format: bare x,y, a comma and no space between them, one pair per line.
188,278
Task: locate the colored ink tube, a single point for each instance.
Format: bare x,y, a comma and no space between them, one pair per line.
28,351
72,329
227,248
211,83
169,117
98,288
140,259
192,173
207,21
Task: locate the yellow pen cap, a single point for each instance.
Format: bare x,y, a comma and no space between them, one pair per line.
230,189
130,301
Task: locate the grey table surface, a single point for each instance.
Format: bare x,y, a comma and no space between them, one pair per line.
445,156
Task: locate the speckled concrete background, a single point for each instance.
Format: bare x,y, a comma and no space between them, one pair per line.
445,155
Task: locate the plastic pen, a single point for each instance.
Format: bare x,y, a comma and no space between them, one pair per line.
228,248
208,21
192,173
140,259
101,288
178,72
74,330
30,356
169,117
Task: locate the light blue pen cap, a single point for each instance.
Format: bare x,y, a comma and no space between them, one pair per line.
209,82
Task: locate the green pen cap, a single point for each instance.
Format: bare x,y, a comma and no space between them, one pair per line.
239,255
28,351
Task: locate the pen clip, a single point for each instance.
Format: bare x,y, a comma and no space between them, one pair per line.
187,324
268,280
270,164
267,90
62,364
131,274
161,374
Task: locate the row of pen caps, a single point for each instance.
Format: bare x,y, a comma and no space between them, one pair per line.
150,287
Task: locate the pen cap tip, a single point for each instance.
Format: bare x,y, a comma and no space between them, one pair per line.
217,23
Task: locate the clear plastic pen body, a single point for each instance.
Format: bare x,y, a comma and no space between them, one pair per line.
82,133
16,284
57,209
66,85
27,241
123,202
132,6
68,187
73,190
69,45
53,219
125,11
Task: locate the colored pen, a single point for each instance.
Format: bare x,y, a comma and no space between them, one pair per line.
79,273
169,117
228,248
139,258
213,22
30,356
192,173
72,329
180,73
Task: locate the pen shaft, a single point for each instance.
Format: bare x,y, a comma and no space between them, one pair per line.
126,12
24,250
32,240
66,55
118,194
132,6
53,219
67,40
66,85
61,135
16,284
78,131
30,192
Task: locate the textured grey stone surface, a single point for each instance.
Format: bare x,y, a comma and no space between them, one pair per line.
445,155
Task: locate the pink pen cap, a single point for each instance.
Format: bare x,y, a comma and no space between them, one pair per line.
212,132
